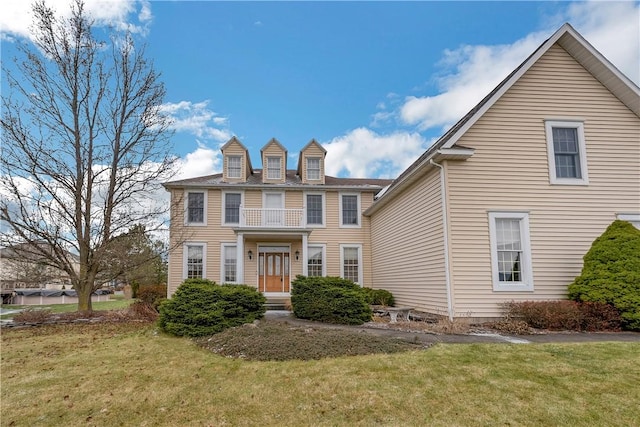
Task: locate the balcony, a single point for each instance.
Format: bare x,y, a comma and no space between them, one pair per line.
272,218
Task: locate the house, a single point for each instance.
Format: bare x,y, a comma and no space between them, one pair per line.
506,203
501,208
262,227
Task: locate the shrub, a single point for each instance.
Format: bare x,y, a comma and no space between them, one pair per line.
200,307
141,310
564,315
33,315
329,299
611,272
379,297
152,294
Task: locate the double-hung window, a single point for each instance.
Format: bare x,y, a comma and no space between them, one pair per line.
313,168
232,203
194,260
234,166
349,210
351,262
315,263
273,168
196,204
567,153
315,209
229,264
510,251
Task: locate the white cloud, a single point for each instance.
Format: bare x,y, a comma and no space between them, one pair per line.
16,16
198,120
202,161
474,70
364,153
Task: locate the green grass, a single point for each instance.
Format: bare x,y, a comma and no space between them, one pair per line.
130,374
66,308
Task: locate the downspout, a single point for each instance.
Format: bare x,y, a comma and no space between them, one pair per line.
445,233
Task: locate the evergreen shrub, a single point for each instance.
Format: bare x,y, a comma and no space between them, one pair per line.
329,299
379,297
611,272
201,307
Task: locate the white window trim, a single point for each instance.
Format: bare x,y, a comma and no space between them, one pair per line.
238,156
264,198
323,247
527,271
279,169
634,219
579,125
343,246
223,247
184,258
224,203
324,209
186,208
319,178
359,215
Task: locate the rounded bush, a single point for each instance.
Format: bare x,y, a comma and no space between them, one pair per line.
329,299
379,297
611,272
200,307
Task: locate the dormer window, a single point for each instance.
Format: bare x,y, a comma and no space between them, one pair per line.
313,168
273,168
234,166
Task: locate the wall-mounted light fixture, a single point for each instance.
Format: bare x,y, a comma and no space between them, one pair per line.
297,255
250,254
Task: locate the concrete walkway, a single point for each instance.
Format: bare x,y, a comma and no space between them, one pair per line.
431,338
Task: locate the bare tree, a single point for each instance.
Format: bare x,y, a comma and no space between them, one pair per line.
84,144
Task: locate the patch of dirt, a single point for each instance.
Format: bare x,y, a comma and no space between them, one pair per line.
269,340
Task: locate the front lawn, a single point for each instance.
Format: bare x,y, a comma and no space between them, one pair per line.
130,374
114,304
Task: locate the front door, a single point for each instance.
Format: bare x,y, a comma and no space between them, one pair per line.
273,275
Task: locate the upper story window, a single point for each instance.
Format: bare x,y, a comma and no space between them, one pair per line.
273,168
510,251
313,168
349,210
196,212
232,202
234,166
567,153
315,209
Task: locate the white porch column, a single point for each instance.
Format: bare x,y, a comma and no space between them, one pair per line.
240,258
305,262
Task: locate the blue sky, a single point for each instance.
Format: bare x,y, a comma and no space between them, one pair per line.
375,82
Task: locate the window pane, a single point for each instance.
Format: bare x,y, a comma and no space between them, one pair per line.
566,153
314,266
234,166
195,262
273,167
232,208
509,246
350,210
195,207
350,267
230,263
314,209
313,168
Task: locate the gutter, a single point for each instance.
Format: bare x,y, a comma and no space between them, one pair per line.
445,227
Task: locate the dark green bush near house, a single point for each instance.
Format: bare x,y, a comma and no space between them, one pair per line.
200,307
152,295
611,273
379,297
329,299
565,315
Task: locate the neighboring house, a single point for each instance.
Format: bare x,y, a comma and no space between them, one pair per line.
22,266
263,227
502,207
505,204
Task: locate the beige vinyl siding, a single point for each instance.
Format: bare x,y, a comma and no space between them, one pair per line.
312,151
235,149
408,258
509,172
273,150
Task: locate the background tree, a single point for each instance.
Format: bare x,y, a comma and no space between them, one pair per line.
84,144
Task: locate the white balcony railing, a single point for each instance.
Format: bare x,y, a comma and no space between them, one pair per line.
272,218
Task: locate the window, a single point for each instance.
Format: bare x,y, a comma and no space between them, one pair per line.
273,167
229,264
313,168
315,209
351,261
510,251
234,166
195,208
567,153
350,210
315,263
232,202
194,256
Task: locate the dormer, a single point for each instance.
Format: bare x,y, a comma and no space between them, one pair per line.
274,162
311,163
236,162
